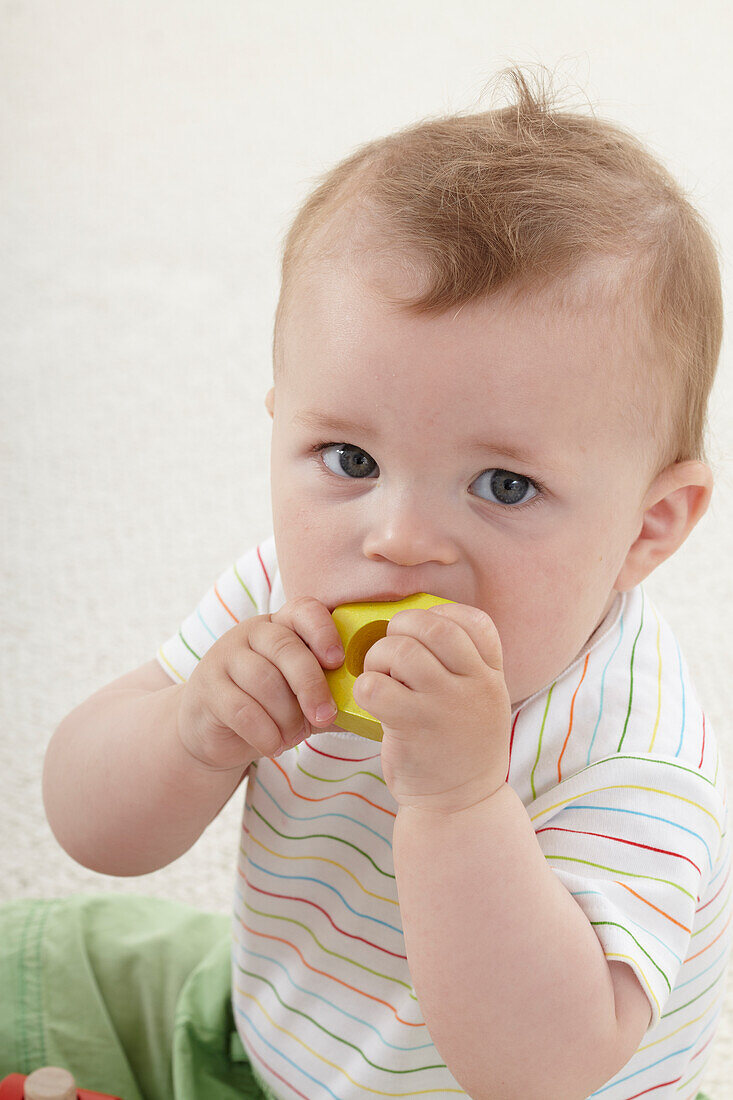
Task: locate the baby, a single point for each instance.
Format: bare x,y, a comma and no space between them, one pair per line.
506,326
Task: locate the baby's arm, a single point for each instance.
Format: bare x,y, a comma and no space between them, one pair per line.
134,774
121,793
512,980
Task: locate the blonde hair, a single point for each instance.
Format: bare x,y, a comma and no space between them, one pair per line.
524,197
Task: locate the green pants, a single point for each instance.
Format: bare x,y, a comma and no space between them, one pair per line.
130,994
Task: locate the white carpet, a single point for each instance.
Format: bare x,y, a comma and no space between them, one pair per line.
153,155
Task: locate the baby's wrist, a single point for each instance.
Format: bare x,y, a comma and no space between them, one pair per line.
455,803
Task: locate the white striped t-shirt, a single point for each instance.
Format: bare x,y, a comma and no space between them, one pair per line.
620,775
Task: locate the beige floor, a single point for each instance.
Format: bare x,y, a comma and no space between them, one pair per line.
153,155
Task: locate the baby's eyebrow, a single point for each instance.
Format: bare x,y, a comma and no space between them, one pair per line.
515,454
313,419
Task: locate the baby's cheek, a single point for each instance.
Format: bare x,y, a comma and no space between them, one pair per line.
538,634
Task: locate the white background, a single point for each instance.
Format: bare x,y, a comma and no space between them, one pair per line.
153,155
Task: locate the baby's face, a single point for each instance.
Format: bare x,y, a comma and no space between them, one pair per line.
481,455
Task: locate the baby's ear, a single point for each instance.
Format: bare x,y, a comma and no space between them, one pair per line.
270,401
676,500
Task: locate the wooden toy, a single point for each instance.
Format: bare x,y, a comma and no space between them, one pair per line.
47,1083
360,625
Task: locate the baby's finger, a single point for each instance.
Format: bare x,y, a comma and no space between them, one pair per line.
312,621
276,708
241,712
299,666
470,635
407,662
480,627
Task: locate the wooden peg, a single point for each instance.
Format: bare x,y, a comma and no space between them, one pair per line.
49,1083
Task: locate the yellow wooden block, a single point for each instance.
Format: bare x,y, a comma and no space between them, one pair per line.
360,625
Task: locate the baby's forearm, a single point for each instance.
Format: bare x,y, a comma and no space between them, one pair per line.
121,794
510,976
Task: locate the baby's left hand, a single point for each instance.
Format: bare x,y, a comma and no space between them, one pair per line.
436,684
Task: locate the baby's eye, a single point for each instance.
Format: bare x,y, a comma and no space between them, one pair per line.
349,461
506,487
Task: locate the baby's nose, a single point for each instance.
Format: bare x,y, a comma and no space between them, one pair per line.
410,538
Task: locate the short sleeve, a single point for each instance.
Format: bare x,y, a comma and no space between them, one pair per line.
240,592
634,839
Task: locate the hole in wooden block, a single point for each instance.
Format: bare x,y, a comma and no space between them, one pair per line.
361,642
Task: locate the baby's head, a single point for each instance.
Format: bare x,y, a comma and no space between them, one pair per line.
494,346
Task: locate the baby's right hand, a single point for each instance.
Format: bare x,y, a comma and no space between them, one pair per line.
256,690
